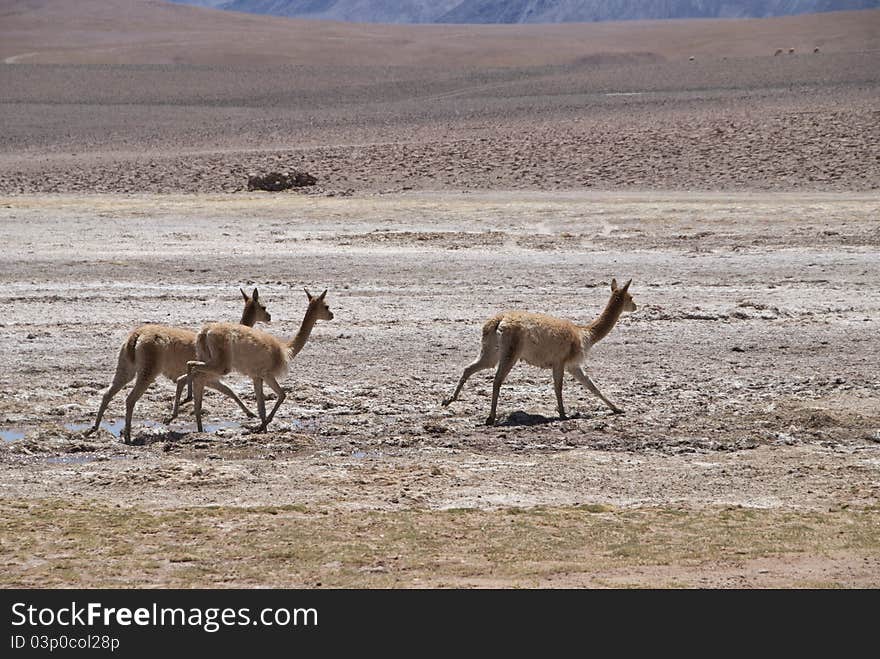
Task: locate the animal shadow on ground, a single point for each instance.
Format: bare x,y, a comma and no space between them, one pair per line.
148,438
520,418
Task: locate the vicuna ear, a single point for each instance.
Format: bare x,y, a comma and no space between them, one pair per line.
613,285
626,285
307,293
243,294
321,296
256,295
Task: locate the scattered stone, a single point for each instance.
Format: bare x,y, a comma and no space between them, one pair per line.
278,181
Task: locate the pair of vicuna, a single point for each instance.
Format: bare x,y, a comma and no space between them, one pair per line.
201,360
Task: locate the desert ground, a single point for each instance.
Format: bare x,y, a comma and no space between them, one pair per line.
739,190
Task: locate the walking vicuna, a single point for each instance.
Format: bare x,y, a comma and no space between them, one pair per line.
546,342
225,347
154,350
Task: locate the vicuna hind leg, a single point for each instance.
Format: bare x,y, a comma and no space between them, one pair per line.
584,379
216,385
182,381
261,403
488,359
200,376
280,396
123,376
506,362
144,379
198,393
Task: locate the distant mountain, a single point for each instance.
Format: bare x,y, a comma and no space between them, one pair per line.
202,3
564,11
528,11
358,11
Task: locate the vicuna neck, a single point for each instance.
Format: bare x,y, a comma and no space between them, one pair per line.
600,327
248,316
305,329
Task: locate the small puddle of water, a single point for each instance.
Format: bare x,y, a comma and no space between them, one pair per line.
114,427
71,459
361,455
11,434
211,427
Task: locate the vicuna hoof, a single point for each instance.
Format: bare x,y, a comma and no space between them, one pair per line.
490,421
446,402
617,410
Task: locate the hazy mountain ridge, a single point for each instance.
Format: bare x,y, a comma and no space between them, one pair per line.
366,11
562,11
528,11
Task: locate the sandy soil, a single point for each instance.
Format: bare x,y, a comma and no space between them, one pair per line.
111,97
748,374
804,122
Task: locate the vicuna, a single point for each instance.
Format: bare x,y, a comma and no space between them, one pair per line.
225,347
154,350
545,342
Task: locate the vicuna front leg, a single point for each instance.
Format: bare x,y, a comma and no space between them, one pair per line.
584,379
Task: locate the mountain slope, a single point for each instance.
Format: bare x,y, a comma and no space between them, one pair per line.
363,11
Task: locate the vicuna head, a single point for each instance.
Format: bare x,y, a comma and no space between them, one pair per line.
622,295
254,311
318,307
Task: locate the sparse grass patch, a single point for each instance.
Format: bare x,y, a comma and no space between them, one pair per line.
52,543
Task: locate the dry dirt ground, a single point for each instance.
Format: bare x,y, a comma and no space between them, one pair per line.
749,454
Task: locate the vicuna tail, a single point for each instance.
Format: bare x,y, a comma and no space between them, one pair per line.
491,326
203,348
128,354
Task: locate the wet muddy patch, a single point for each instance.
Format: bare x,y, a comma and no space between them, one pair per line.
11,434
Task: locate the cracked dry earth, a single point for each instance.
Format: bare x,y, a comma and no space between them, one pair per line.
749,374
